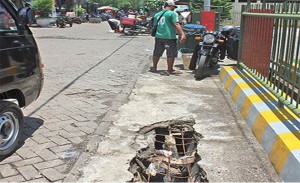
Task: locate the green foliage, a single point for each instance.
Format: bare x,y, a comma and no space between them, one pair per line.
125,4
42,7
80,10
221,6
154,4
130,4
196,4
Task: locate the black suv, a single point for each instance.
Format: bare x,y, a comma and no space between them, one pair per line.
21,76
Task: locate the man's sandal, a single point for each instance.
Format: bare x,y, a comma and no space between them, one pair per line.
152,69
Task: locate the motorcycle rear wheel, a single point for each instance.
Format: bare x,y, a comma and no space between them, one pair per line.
199,72
127,32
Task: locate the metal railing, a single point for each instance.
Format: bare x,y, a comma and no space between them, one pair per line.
269,49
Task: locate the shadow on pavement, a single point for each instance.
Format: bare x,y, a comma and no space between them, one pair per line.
30,126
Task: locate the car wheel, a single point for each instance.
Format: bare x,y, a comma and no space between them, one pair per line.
11,127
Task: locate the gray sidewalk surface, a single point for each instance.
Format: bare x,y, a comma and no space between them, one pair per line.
228,148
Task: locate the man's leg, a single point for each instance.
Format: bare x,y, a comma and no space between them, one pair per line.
170,62
157,53
171,47
155,60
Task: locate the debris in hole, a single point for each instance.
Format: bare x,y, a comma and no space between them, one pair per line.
171,156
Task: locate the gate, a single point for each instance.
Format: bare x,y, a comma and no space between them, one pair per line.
269,49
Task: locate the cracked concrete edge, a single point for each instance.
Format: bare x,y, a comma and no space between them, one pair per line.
107,120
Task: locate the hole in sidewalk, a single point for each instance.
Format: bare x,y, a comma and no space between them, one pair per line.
171,154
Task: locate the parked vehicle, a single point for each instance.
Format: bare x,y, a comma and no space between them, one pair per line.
136,26
95,18
210,50
75,20
62,21
21,76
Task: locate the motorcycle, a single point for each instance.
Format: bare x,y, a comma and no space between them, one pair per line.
136,27
210,50
76,20
62,21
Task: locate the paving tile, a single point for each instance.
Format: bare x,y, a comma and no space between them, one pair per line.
17,178
87,130
70,128
41,180
53,175
26,153
40,139
28,162
69,135
89,124
63,117
48,164
59,140
29,172
54,133
42,146
10,159
29,142
79,118
76,140
46,154
52,127
7,171
63,168
41,130
62,148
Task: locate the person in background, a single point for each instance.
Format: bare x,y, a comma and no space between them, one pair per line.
165,38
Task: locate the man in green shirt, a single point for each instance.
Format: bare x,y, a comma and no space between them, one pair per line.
165,38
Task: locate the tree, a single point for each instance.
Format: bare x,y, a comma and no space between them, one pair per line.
42,7
196,5
154,4
221,6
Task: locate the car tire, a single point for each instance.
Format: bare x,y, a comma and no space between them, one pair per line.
11,127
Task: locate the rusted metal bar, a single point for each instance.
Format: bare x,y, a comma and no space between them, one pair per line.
176,137
175,144
183,146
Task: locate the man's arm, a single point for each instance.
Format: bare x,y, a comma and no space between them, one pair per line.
179,29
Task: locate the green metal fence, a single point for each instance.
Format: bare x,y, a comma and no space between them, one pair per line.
269,49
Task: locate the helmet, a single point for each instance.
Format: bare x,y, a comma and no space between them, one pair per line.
229,30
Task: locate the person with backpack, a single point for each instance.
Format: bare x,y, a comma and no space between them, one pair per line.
167,23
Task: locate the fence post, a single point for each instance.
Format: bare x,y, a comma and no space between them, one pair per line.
241,35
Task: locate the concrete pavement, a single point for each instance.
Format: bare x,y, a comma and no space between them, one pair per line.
228,149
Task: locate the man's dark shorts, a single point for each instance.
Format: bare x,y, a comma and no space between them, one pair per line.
165,44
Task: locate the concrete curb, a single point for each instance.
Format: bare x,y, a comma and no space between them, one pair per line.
276,129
